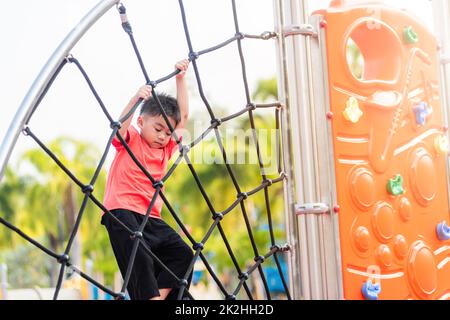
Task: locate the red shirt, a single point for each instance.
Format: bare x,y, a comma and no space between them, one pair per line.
127,186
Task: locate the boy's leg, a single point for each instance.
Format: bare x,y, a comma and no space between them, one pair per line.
175,254
142,284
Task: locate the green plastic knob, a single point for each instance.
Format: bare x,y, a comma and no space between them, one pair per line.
395,186
410,35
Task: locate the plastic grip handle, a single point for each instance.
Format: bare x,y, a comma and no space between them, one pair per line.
443,231
371,291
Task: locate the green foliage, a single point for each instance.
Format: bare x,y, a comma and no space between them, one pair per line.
355,59
44,203
266,89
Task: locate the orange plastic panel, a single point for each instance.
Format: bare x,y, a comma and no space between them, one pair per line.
390,152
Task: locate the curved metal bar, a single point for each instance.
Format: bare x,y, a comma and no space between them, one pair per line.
37,88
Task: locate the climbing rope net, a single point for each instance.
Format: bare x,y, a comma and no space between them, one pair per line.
87,189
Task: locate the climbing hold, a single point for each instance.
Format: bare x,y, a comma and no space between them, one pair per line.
395,186
370,291
441,144
410,36
422,111
352,111
443,231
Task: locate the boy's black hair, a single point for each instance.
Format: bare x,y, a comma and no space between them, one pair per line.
169,104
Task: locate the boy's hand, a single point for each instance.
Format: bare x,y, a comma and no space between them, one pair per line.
144,92
182,66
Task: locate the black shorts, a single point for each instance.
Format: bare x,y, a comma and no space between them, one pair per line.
147,275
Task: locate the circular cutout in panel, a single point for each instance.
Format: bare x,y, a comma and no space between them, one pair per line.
384,256
383,220
423,177
422,270
404,209
361,236
373,52
362,188
400,246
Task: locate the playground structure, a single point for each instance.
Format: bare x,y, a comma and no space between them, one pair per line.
366,194
370,184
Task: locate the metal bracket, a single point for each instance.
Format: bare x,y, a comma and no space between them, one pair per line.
299,29
312,208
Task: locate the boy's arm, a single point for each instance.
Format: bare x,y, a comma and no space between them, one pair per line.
145,93
182,94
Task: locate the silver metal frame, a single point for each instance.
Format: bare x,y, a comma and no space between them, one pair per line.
328,224
44,77
315,264
303,84
289,138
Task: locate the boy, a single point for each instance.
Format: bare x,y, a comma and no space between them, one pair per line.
129,192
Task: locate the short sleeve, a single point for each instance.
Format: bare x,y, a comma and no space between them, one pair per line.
129,137
172,146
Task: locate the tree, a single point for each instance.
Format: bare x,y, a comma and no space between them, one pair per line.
52,202
11,190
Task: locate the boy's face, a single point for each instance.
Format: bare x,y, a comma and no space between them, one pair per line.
154,130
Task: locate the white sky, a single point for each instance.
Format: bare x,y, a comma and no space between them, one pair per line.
31,30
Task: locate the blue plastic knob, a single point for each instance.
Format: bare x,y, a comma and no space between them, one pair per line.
443,231
422,111
370,290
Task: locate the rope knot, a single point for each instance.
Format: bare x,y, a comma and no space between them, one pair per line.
193,56
87,189
230,297
63,259
137,234
259,258
158,184
185,150
243,195
26,130
218,216
275,248
183,283
152,84
240,35
120,296
243,276
216,122
198,245
115,124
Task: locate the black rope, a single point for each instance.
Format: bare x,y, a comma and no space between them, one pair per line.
198,247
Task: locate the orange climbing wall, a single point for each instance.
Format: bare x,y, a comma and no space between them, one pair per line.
388,125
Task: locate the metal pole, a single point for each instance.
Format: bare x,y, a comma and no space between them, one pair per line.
44,77
289,138
315,266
